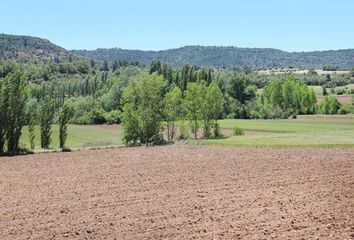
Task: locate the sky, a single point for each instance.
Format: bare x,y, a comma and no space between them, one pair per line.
290,25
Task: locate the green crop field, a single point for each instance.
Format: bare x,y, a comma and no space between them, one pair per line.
79,136
310,131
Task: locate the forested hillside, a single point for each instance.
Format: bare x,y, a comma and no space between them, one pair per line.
25,49
227,57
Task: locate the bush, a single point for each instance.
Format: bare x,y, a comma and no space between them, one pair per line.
82,107
346,109
97,116
113,117
238,131
340,91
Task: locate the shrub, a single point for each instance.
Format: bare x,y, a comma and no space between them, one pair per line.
340,91
238,131
217,132
97,116
113,117
346,109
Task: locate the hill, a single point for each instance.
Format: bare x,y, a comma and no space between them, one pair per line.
25,49
228,57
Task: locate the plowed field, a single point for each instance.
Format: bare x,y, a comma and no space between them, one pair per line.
179,192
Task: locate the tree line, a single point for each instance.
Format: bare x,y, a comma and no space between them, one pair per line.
146,100
17,110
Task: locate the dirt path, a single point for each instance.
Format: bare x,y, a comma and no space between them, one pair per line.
179,192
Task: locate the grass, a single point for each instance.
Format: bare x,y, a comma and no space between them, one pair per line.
79,136
306,131
315,131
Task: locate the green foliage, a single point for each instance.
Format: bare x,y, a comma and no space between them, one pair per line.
330,105
97,116
211,108
32,108
46,121
217,130
324,91
3,117
340,91
64,118
13,100
82,66
183,129
346,109
193,101
142,111
291,96
81,107
238,131
240,88
113,117
172,110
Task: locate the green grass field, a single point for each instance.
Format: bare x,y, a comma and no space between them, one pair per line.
79,136
306,131
309,131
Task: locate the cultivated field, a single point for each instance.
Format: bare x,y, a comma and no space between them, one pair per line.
179,192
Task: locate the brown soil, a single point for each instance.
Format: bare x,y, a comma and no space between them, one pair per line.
179,192
341,99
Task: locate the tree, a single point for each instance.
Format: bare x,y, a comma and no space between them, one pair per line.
273,93
14,100
64,118
292,96
83,67
114,66
46,120
31,114
324,91
330,105
212,106
172,110
142,110
3,118
105,66
236,87
193,100
6,69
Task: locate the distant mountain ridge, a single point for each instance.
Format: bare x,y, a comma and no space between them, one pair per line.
214,56
25,48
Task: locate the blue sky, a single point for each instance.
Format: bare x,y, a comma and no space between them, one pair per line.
292,25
